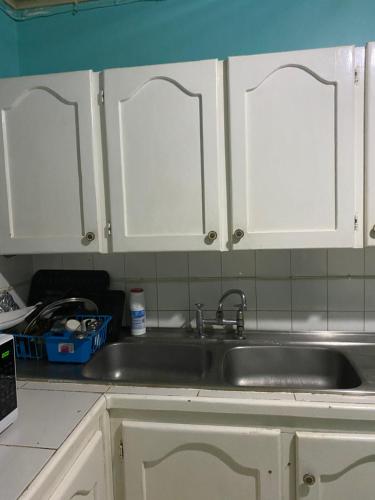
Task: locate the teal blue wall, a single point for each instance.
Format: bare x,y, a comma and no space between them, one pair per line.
8,47
179,30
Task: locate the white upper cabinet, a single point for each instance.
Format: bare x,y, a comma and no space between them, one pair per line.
165,157
296,173
50,172
295,145
335,466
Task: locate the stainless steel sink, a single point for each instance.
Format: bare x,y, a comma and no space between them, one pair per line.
146,362
289,368
261,362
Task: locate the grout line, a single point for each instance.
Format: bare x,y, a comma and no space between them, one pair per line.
327,288
364,290
327,285
188,280
31,446
256,290
253,277
157,280
124,267
221,275
291,291
66,389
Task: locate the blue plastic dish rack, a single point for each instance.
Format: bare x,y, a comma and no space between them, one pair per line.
29,346
66,348
62,347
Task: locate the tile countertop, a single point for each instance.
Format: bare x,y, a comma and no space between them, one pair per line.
49,411
45,420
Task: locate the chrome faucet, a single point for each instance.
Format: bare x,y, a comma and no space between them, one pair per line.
220,320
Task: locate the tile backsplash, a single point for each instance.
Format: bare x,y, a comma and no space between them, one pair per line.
286,289
18,270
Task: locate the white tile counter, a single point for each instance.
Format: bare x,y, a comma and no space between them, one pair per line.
19,466
46,418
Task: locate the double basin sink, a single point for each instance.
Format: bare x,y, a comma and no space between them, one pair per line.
233,364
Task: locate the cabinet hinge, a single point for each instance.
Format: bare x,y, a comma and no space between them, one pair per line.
356,223
356,76
121,450
101,97
108,229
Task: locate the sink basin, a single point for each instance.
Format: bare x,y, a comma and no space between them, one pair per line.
289,368
278,367
147,362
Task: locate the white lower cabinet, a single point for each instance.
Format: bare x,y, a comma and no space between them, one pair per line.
86,479
335,466
172,448
170,461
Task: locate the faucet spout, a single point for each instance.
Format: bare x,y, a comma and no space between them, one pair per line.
238,322
232,291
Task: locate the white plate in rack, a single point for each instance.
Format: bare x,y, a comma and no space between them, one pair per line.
12,318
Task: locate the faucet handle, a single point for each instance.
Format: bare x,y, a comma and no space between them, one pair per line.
239,306
199,320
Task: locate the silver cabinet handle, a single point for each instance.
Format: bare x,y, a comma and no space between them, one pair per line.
90,236
212,235
308,479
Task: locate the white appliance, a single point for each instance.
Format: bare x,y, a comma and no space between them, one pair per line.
8,392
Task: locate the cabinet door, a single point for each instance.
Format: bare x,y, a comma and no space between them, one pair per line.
342,465
162,130
86,479
49,185
370,146
200,462
294,165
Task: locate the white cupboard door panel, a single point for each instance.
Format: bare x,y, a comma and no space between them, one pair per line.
370,146
86,479
292,135
49,193
164,461
343,466
162,126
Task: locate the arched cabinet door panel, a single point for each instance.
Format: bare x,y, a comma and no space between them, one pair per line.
335,466
50,193
296,178
165,461
163,143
